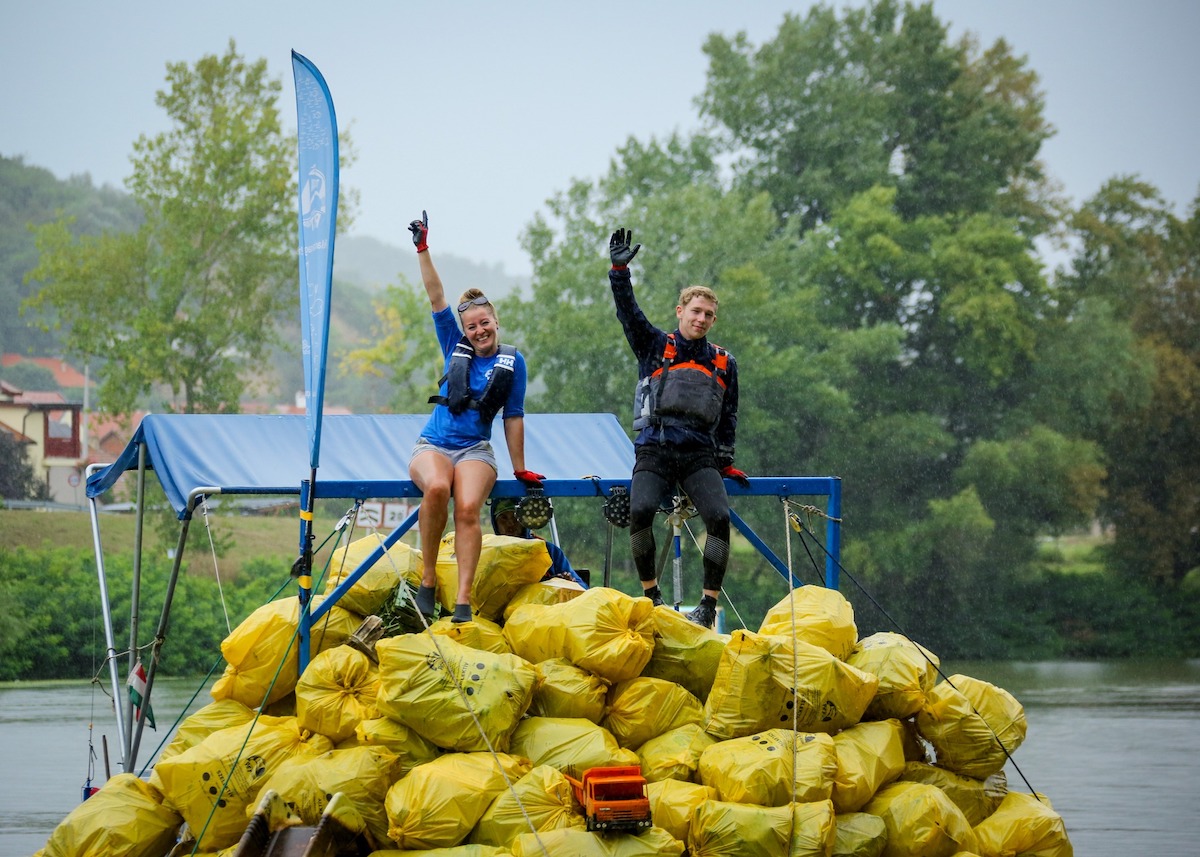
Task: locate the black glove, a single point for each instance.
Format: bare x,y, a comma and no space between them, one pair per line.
420,232
619,250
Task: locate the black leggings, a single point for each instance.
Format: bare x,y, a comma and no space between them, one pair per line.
655,475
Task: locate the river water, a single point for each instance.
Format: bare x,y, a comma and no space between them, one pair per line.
1113,745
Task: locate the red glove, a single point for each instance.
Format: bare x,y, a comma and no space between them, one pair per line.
531,479
420,232
731,472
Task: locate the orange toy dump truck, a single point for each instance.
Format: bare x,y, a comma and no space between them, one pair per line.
614,798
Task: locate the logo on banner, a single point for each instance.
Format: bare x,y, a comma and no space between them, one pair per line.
312,199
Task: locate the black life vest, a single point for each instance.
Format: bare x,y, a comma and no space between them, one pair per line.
686,393
495,394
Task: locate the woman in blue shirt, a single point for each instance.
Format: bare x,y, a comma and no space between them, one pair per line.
454,457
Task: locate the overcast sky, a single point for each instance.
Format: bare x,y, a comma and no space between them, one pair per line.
479,112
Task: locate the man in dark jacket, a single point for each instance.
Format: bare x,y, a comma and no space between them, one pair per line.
685,413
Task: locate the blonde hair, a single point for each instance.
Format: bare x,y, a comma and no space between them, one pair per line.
690,292
472,294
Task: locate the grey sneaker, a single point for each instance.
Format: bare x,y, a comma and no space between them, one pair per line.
462,613
655,595
705,614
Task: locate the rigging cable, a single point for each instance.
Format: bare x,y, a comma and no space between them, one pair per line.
799,527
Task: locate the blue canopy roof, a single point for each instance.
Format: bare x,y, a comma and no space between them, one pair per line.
362,456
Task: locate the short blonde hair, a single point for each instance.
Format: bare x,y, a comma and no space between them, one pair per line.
690,292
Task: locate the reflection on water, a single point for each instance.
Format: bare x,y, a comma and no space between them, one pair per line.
1111,745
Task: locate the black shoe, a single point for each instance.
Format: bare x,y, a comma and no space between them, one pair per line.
462,613
424,602
705,614
655,595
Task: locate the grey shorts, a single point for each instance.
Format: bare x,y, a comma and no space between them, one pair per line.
481,451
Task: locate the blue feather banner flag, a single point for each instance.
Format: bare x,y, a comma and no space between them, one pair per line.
317,141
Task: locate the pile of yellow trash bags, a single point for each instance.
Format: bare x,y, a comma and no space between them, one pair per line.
798,739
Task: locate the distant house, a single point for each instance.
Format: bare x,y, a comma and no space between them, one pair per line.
49,426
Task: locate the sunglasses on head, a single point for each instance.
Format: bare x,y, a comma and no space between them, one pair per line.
479,301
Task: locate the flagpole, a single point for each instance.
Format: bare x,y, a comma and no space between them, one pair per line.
317,150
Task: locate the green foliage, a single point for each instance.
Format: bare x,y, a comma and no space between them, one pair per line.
27,375
32,196
191,298
839,102
17,478
58,631
1040,482
1140,263
402,351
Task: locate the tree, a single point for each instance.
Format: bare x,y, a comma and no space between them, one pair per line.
17,479
403,353
835,105
1141,263
189,300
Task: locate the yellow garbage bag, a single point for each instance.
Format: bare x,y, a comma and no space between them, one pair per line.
543,798
772,768
603,631
371,591
437,804
565,690
556,590
126,818
921,821
456,851
479,633
362,775
1024,824
906,672
976,798
201,723
684,653
447,692
724,829
816,615
263,655
409,747
214,783
869,756
506,564
674,802
859,834
674,755
337,692
580,843
765,682
572,745
973,726
643,708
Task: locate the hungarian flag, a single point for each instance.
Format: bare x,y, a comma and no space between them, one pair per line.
137,693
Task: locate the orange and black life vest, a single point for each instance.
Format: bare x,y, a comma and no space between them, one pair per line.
686,393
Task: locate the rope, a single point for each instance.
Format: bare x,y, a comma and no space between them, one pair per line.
795,669
213,549
937,667
433,638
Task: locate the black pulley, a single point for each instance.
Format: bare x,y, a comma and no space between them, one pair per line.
535,510
616,506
